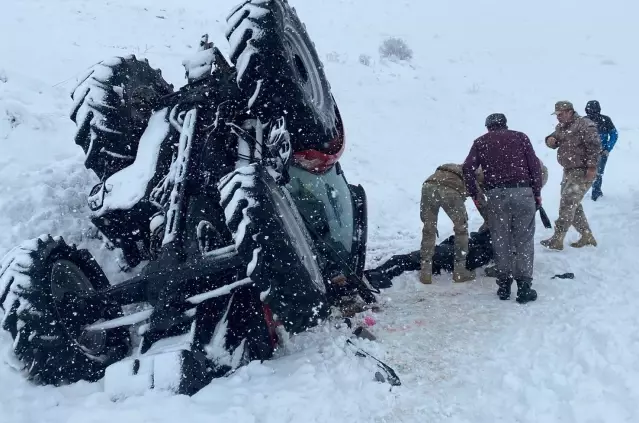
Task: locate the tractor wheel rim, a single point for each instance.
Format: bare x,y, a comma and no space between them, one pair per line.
68,279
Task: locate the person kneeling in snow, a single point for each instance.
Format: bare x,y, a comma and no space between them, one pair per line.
445,189
512,179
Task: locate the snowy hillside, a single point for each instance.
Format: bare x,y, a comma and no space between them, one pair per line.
463,355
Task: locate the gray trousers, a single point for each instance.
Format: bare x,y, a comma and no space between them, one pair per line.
511,218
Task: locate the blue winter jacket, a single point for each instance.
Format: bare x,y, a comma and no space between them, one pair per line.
608,139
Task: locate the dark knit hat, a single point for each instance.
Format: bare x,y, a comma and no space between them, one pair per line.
496,121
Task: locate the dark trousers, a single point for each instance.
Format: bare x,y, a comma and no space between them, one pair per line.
596,187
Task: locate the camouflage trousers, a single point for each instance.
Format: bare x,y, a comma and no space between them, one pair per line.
574,187
435,197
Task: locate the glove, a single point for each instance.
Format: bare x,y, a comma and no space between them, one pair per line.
538,202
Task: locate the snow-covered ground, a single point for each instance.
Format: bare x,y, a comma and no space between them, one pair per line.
463,355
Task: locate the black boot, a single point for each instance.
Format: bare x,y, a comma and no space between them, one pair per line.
525,293
504,288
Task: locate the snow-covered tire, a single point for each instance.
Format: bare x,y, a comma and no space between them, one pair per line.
271,238
112,105
280,72
45,323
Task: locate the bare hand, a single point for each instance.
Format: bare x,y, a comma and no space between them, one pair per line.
339,280
551,142
591,173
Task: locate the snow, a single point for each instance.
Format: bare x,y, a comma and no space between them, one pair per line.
199,64
11,275
215,348
241,21
462,355
121,382
224,290
177,174
129,319
126,188
237,185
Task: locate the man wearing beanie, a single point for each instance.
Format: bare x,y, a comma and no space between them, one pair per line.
578,150
608,135
512,180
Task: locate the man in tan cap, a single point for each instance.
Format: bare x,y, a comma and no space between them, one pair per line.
578,150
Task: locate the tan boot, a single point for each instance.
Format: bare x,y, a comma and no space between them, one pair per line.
426,272
555,242
425,277
585,240
461,274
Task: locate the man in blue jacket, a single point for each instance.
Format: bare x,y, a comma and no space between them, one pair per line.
608,135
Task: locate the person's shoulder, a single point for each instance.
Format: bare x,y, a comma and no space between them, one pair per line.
519,135
585,121
453,167
607,122
481,139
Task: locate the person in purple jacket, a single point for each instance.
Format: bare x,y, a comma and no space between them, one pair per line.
512,181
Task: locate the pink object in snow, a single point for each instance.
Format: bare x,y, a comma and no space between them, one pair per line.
369,321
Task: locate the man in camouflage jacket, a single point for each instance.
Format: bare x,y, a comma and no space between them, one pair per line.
578,151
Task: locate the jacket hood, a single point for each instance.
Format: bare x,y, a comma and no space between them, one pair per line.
593,107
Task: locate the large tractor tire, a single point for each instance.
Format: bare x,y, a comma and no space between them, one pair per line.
112,105
280,257
280,72
42,285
